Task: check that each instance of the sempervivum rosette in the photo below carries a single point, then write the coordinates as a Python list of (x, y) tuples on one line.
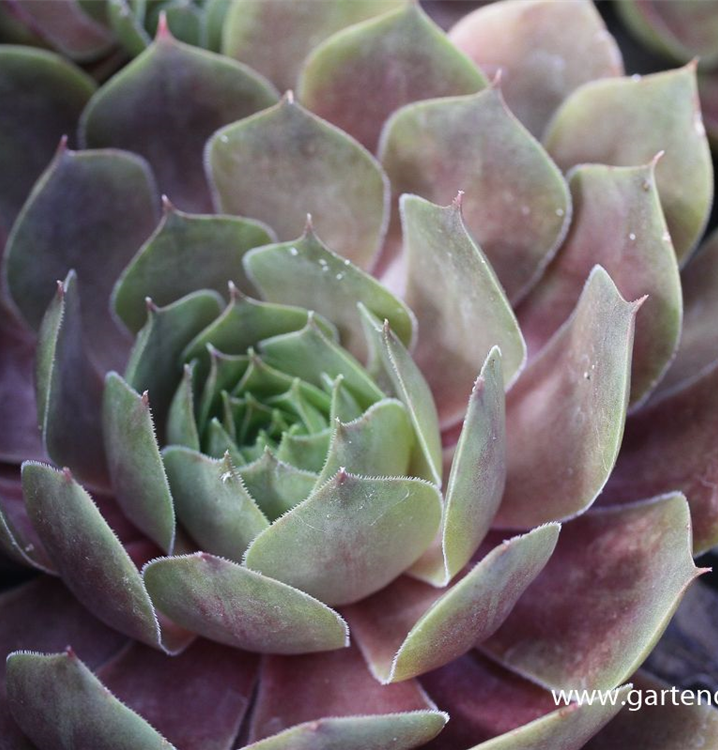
[(449, 448)]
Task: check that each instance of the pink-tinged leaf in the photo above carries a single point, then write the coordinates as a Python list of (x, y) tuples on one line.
[(476, 480), (48, 95), (363, 532), (300, 164), (89, 557), (61, 705), (19, 437), (618, 222), (108, 204), (327, 701), (252, 27), (155, 363), (187, 252), (626, 122), (410, 628), (307, 273), (672, 444), (604, 598), (543, 49), (698, 345), (576, 393), (392, 365), (133, 456), (665, 726), (450, 287), (24, 625), (64, 25), (165, 105), (212, 502), (230, 604), (359, 76), (196, 700), (68, 389), (682, 31), (516, 203)]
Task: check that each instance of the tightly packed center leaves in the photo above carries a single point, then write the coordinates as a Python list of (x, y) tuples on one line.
[(450, 446)]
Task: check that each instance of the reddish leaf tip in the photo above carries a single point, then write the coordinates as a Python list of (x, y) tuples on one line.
[(342, 475), (308, 225), (151, 306), (458, 200), (62, 146), (146, 398), (167, 205), (70, 652), (67, 474), (233, 291), (163, 29)]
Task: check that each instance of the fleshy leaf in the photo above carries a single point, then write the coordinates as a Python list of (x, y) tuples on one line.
[(155, 363), (327, 701), (450, 287), (476, 481), (516, 205), (626, 122), (672, 444), (345, 81), (300, 164), (230, 604), (682, 31), (69, 389), (411, 628), (569, 629), (59, 703), (363, 532), (138, 477), (212, 502), (543, 49), (618, 222), (108, 206), (179, 694), (48, 95), (307, 273), (165, 105), (698, 346), (577, 390), (181, 424), (89, 557), (251, 26), (186, 253)]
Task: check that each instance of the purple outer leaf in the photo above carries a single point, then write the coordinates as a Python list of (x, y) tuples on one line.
[(90, 558), (230, 604), (60, 704), (24, 625), (345, 79), (570, 629), (69, 389), (138, 477), (543, 49), (517, 205), (196, 699), (326, 701), (626, 122), (618, 222), (48, 95), (301, 164), (363, 532), (577, 393), (450, 287), (108, 204), (165, 105)]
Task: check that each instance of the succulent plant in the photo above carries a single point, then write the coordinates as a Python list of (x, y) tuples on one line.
[(360, 408)]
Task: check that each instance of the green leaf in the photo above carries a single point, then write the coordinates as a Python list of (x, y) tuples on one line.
[(300, 164), (344, 80), (133, 456), (230, 604), (164, 106), (305, 452), (307, 273), (186, 253), (212, 502), (59, 703), (363, 532), (181, 424), (626, 122)]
